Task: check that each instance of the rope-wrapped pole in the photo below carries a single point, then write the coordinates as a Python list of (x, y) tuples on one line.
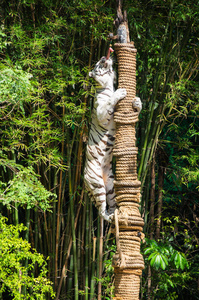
[(128, 262)]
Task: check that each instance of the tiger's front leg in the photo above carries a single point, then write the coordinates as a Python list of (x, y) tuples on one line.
[(118, 95), (105, 110)]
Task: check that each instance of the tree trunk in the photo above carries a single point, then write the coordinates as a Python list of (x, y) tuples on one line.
[(128, 262)]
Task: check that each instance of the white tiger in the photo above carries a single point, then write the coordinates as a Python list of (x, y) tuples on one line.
[(98, 175)]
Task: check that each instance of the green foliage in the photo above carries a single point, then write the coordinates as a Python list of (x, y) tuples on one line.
[(163, 255), (13, 275), (170, 269), (15, 84), (108, 278), (26, 190)]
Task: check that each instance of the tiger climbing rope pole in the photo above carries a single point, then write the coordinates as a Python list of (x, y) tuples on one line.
[(128, 262)]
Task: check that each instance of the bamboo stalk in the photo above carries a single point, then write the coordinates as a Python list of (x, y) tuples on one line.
[(74, 244), (143, 160), (152, 199), (16, 216), (59, 206), (92, 285), (46, 232), (64, 269), (70, 277), (100, 258), (160, 195), (80, 253), (40, 236), (144, 203), (72, 211), (157, 81), (87, 250), (61, 259), (54, 226), (151, 147), (82, 244), (147, 151), (58, 230), (24, 288), (149, 283), (90, 242), (36, 229)]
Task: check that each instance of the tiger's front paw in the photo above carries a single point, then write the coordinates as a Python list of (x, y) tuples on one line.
[(137, 104), (123, 93), (120, 94)]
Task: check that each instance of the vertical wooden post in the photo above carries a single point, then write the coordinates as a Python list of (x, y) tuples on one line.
[(128, 262)]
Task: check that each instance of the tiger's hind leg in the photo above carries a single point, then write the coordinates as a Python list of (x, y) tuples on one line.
[(96, 188), (110, 192), (101, 206)]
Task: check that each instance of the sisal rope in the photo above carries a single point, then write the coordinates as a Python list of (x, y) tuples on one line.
[(128, 262)]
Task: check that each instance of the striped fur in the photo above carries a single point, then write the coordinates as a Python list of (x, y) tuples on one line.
[(98, 175)]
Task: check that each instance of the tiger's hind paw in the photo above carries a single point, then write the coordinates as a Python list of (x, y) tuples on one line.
[(137, 104), (111, 210), (108, 217)]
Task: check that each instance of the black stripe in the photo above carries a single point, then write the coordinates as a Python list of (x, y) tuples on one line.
[(111, 138), (91, 161), (107, 149), (112, 199), (93, 155), (95, 174), (93, 139), (97, 186), (100, 194), (107, 143), (100, 134), (102, 128), (110, 192), (94, 177), (99, 151)]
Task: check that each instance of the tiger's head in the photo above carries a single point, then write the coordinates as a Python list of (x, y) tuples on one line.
[(103, 72)]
